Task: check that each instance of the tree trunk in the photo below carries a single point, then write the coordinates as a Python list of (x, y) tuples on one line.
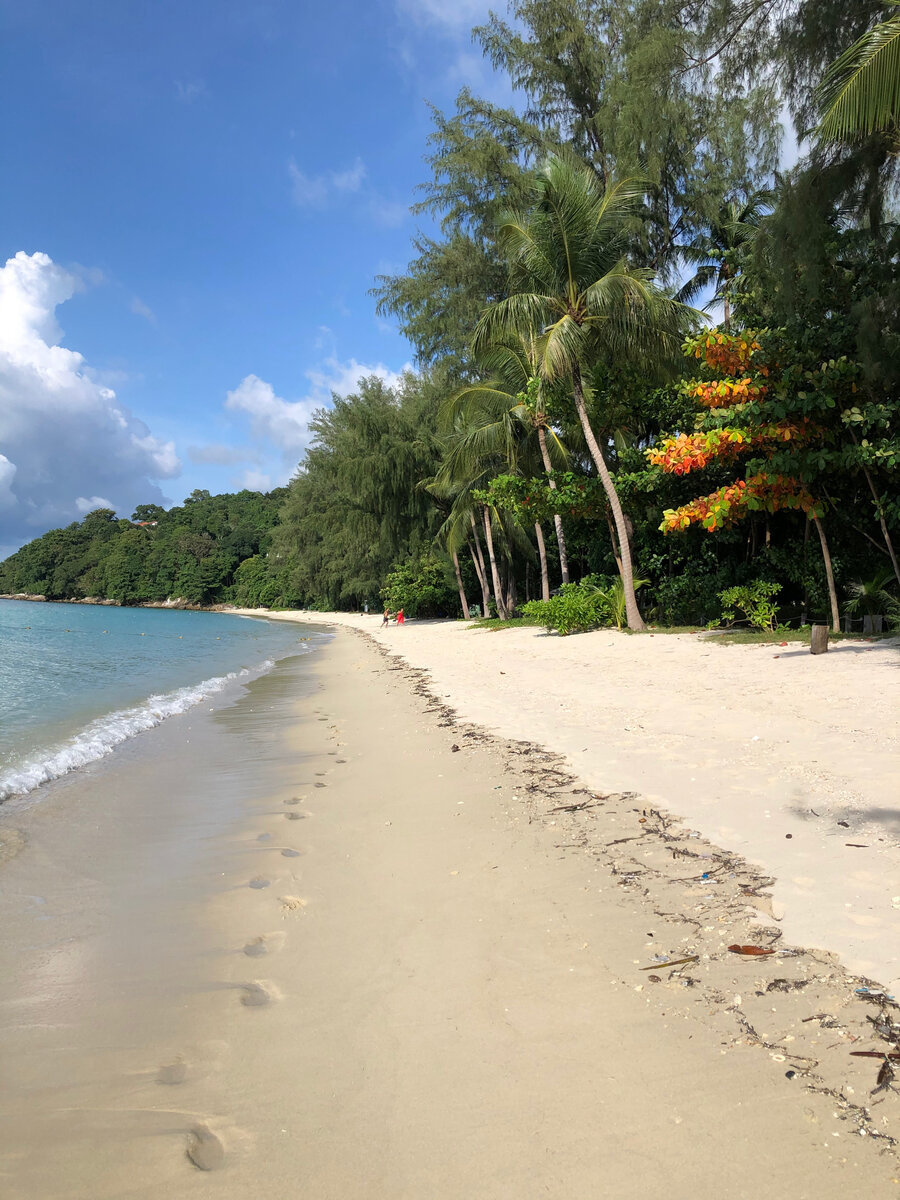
[(884, 529), (542, 551), (829, 575), (482, 581), (612, 538), (495, 576), (557, 519), (818, 639), (511, 595), (633, 613), (462, 590), (481, 568)]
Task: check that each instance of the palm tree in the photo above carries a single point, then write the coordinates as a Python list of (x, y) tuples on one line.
[(480, 444), (718, 252), (860, 93), (518, 391), (569, 277)]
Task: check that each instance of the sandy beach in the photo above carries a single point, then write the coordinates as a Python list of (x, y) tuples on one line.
[(395, 956), (791, 760)]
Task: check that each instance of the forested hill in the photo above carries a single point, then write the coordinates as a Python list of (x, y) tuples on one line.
[(209, 550)]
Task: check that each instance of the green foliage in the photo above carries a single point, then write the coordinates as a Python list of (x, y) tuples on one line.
[(576, 608), (356, 505), (755, 600), (873, 597), (422, 587), (579, 607), (192, 553)]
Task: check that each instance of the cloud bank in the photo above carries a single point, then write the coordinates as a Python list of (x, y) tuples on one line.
[(65, 440), (284, 424)]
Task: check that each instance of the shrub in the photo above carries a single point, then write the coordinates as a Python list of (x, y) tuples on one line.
[(578, 607), (422, 587), (755, 600)]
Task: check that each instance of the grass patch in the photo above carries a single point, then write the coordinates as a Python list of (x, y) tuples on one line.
[(495, 624), (757, 637)]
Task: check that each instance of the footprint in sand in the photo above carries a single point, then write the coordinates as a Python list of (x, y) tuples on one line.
[(293, 800), (172, 1073), (288, 853), (264, 837), (205, 1150), (321, 774), (342, 760), (258, 994), (294, 816), (259, 881), (292, 904), (321, 785), (266, 943)]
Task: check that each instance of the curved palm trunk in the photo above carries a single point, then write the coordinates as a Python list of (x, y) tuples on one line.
[(495, 575), (542, 552), (829, 575), (482, 583), (557, 519), (462, 590), (480, 568), (884, 529), (633, 613)]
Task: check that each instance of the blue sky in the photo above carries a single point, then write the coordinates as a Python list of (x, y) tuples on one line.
[(213, 185)]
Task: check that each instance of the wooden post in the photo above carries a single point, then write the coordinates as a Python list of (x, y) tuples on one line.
[(818, 639)]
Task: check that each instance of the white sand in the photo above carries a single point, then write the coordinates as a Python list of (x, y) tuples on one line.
[(763, 749)]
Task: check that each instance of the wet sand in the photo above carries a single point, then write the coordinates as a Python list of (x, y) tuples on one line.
[(347, 947)]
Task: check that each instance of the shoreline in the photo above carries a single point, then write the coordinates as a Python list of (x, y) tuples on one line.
[(421, 973)]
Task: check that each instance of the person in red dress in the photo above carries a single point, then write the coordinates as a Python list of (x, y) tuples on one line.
[(400, 617)]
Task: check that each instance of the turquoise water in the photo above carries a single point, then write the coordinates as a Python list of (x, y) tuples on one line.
[(78, 680)]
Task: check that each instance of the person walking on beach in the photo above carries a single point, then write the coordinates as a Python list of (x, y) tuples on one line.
[(400, 617), (387, 617)]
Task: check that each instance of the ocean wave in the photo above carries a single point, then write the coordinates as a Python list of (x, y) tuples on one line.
[(104, 734)]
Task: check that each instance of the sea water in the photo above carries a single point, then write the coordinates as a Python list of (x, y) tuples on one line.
[(76, 681)]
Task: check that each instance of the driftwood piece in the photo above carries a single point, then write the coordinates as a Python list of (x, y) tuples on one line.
[(818, 639)]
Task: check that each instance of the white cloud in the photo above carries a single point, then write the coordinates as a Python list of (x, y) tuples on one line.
[(140, 309), (451, 14), (86, 504), (189, 90), (388, 213), (255, 481), (312, 191), (284, 424), (7, 475), (64, 436)]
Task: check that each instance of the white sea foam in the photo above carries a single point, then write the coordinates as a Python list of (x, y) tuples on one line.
[(105, 733)]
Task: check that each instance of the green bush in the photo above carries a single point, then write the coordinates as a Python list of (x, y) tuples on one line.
[(755, 600), (422, 587), (578, 607)]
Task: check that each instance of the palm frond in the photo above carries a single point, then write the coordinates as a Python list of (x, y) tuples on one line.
[(860, 93)]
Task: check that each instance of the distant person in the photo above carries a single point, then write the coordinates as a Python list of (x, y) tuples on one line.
[(400, 617), (366, 609), (387, 617)]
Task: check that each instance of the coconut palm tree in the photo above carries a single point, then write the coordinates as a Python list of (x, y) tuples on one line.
[(517, 390), (717, 253), (569, 277), (482, 443), (860, 93)]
